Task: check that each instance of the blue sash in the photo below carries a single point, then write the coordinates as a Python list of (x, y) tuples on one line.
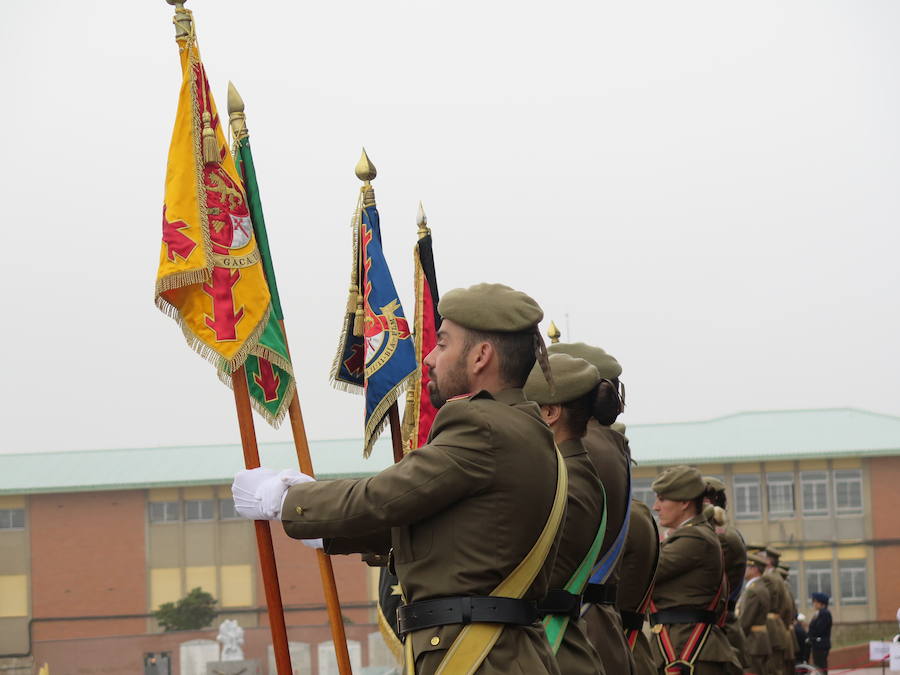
[(607, 563)]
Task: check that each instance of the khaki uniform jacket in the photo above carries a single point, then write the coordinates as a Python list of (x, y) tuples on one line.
[(777, 633), (788, 612), (461, 513), (584, 509), (689, 576), (734, 555), (608, 450), (636, 572), (752, 609)]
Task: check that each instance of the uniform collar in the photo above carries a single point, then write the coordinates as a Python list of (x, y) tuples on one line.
[(572, 448), (508, 396)]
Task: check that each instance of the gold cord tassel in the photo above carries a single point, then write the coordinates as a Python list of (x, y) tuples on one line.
[(351, 299), (210, 143), (359, 318)]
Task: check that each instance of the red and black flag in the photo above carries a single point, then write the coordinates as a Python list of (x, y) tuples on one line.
[(418, 415)]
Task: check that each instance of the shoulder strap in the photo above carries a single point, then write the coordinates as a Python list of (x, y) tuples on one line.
[(605, 566), (555, 624), (475, 640)]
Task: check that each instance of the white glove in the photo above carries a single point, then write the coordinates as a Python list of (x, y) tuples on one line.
[(259, 493), (313, 543)]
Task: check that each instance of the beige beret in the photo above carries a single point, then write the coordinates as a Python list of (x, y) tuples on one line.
[(493, 308), (681, 483), (757, 559), (714, 483), (607, 365), (572, 378)]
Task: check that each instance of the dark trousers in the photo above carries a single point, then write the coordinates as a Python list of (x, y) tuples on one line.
[(820, 659)]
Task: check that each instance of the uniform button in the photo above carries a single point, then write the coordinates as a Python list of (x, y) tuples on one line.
[(299, 510), (435, 641)]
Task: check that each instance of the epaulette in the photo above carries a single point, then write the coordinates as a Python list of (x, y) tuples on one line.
[(460, 397), (471, 395)]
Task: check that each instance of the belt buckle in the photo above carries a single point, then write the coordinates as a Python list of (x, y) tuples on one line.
[(683, 667)]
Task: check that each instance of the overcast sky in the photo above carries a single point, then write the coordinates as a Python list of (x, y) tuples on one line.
[(708, 190)]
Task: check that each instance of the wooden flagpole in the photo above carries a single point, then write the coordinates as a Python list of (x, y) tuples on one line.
[(263, 531), (298, 430), (396, 436), (326, 571)]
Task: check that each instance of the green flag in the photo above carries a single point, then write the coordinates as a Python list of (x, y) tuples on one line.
[(270, 377)]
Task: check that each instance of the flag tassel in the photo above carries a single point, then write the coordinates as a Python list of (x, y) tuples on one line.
[(210, 144)]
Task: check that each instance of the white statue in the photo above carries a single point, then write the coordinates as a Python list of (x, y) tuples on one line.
[(231, 635)]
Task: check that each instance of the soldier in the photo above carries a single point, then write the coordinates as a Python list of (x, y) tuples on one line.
[(784, 608), (689, 590), (636, 572), (608, 450), (473, 513), (567, 409), (777, 635), (734, 555), (752, 608), (789, 616)]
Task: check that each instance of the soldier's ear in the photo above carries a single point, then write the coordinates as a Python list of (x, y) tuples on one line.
[(550, 413), (480, 356)]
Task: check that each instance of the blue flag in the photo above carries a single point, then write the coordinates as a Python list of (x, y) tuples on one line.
[(376, 354)]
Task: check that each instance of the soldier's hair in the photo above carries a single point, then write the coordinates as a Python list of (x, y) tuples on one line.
[(716, 498), (699, 503), (515, 351), (606, 404), (577, 413)]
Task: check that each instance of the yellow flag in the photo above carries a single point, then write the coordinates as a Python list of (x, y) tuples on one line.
[(210, 277)]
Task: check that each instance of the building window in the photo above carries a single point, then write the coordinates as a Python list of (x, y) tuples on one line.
[(747, 497), (814, 486), (226, 510), (165, 512), (12, 519), (641, 490), (848, 491), (818, 578), (199, 509), (781, 494), (853, 582)]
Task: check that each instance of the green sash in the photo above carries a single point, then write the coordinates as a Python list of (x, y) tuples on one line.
[(555, 624)]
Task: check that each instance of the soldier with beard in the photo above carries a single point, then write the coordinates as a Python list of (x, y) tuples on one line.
[(473, 516), (608, 450)]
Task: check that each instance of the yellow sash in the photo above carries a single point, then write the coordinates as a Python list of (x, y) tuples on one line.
[(475, 640)]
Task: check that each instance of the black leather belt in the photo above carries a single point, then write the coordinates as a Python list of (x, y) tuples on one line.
[(682, 615), (600, 594), (559, 601), (632, 620), (465, 609)]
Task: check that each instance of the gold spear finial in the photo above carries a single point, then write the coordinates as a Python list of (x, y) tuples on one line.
[(553, 333), (365, 170), (422, 222), (236, 117)]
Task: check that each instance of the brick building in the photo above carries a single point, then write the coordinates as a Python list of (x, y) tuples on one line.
[(92, 542)]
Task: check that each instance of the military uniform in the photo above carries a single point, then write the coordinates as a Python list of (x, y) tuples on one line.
[(461, 512), (777, 633), (689, 591), (636, 572), (734, 557), (787, 612), (752, 608), (573, 378), (608, 450)]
